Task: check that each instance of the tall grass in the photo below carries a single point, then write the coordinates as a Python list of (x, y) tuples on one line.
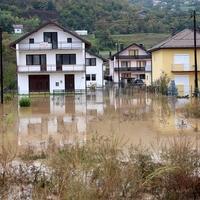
[(101, 169)]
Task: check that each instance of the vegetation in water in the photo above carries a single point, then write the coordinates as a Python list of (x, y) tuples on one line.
[(101, 169), (161, 85), (192, 109), (25, 102)]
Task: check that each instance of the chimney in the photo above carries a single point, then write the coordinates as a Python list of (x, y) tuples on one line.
[(121, 46), (110, 54)]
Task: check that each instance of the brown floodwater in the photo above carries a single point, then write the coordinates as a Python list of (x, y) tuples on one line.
[(128, 116)]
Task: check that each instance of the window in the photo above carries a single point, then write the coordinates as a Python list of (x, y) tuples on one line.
[(141, 63), (69, 40), (90, 77), (90, 61), (31, 40), (66, 59), (51, 37), (124, 63), (87, 77), (182, 61), (35, 59), (134, 52), (57, 84), (93, 77)]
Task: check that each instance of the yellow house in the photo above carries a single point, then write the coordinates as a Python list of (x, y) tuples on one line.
[(175, 57)]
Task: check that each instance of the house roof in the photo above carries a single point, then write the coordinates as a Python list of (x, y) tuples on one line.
[(13, 44), (132, 44), (181, 40), (97, 55)]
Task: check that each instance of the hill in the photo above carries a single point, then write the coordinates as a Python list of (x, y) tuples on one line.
[(114, 16)]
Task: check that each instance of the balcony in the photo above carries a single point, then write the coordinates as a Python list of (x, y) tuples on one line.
[(130, 69), (183, 68), (50, 46), (51, 68), (136, 57)]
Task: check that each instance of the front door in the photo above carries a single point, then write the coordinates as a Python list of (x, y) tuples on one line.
[(69, 82)]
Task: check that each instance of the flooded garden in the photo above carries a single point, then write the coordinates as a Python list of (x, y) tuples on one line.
[(105, 144)]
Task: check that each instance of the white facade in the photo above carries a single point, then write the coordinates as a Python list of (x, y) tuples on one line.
[(133, 62), (96, 69), (55, 58)]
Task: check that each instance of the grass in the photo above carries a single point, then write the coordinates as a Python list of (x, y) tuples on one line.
[(192, 109), (147, 39), (101, 170)]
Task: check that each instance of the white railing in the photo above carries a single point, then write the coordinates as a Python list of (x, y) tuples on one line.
[(51, 68), (49, 46)]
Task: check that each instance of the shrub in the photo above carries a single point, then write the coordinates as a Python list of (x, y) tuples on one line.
[(162, 84), (25, 102)]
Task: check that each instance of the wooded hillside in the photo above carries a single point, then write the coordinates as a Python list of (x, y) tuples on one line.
[(114, 16)]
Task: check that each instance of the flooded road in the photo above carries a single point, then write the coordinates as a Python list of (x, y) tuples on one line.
[(132, 118)]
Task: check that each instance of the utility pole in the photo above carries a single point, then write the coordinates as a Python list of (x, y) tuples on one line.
[(1, 62), (196, 91), (118, 63)]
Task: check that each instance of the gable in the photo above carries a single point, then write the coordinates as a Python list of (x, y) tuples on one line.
[(126, 51), (39, 35), (47, 25)]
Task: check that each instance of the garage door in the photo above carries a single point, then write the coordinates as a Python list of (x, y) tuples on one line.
[(38, 83), (183, 84)]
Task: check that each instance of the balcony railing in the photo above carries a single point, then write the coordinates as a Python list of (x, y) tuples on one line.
[(51, 68), (131, 69), (183, 68), (140, 57), (50, 46)]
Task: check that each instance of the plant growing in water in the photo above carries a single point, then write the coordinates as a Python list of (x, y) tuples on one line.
[(162, 84), (25, 102)]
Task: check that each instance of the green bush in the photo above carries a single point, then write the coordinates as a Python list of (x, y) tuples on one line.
[(25, 102)]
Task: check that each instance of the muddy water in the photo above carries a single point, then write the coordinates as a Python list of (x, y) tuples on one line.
[(130, 117)]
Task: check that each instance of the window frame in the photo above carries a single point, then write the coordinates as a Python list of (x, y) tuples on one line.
[(95, 78), (69, 58), (88, 77), (91, 62), (32, 62), (69, 40), (31, 40)]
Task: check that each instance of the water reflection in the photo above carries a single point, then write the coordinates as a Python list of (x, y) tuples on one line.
[(131, 116)]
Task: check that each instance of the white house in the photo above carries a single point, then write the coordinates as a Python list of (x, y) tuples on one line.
[(132, 62), (94, 66), (18, 28), (50, 59)]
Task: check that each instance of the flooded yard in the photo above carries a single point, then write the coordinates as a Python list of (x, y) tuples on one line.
[(129, 116), (101, 126)]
